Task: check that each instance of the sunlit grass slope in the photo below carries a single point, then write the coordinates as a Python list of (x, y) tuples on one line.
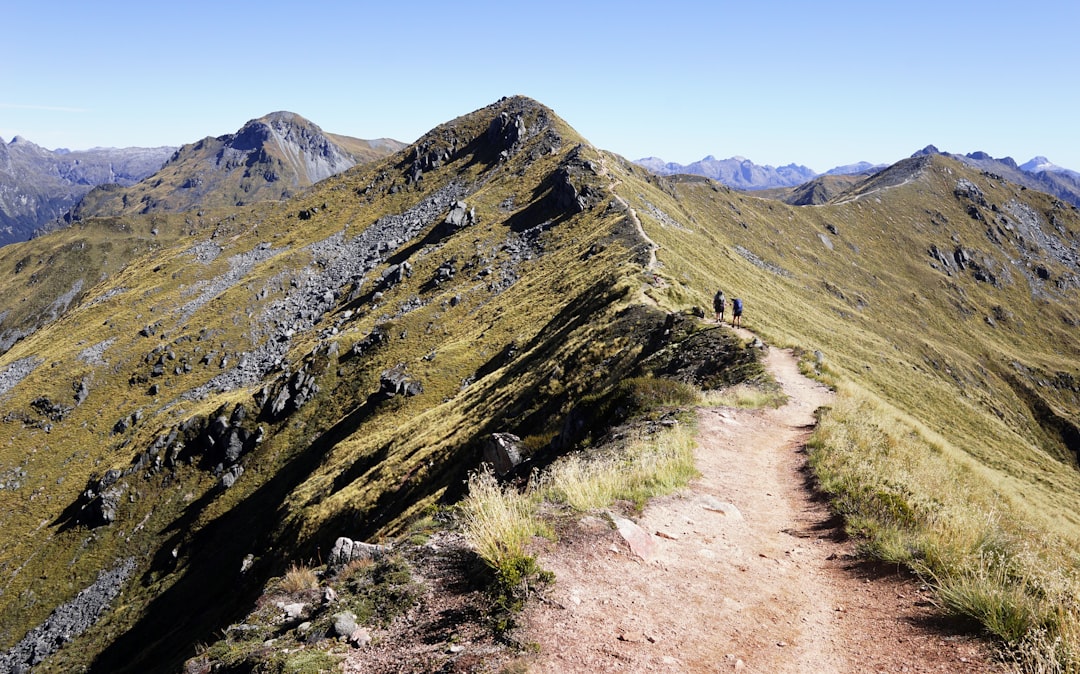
[(944, 304)]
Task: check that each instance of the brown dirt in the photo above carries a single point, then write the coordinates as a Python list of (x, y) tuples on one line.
[(743, 571)]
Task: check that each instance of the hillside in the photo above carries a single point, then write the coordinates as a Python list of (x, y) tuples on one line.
[(263, 382), (38, 185), (270, 158), (814, 192)]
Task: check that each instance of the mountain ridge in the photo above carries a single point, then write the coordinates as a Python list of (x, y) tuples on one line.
[(253, 383), (741, 173)]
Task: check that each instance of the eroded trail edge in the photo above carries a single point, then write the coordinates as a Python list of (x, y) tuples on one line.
[(743, 571)]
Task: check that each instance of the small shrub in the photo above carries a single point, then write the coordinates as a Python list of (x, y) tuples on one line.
[(514, 582), (380, 591)]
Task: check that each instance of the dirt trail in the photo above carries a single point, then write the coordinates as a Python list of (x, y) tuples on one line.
[(743, 571)]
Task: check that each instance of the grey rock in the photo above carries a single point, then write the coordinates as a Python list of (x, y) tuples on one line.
[(345, 624), (395, 381), (360, 637), (346, 550), (503, 452), (230, 476), (82, 391), (68, 621), (11, 375)]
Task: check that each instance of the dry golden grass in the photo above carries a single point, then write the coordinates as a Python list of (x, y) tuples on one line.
[(744, 396), (298, 579), (646, 467)]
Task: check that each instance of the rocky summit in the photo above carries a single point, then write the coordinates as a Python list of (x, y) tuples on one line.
[(240, 389)]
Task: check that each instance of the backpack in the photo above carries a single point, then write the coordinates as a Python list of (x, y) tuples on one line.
[(718, 300), (736, 306)]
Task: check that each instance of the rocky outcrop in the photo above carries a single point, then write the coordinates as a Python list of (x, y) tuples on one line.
[(395, 381), (346, 550)]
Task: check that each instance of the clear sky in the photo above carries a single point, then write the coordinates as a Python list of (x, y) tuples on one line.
[(814, 83)]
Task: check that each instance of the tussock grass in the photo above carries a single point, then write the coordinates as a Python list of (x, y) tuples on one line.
[(745, 396), (499, 521), (925, 505), (648, 467), (299, 578)]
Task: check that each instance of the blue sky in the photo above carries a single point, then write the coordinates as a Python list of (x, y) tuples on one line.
[(819, 84)]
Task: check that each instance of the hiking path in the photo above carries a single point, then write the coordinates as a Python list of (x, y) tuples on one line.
[(745, 570)]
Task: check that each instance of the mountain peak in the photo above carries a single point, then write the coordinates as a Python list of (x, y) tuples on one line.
[(282, 116), (928, 150), (1037, 164)]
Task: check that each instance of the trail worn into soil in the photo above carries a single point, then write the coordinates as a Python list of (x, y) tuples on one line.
[(743, 571)]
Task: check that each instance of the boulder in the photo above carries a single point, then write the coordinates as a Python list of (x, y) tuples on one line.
[(396, 382), (346, 550), (460, 216), (503, 452), (231, 475), (345, 624)]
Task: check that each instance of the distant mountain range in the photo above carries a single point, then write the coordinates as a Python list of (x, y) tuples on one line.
[(39, 185), (741, 173)]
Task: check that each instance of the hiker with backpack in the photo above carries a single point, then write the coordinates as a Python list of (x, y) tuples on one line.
[(736, 312), (718, 303)]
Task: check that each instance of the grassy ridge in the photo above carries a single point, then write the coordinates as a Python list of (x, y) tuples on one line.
[(950, 448)]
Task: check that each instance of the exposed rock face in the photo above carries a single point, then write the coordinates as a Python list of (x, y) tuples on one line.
[(269, 158), (395, 381)]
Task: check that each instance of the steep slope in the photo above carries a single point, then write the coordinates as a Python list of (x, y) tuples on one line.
[(269, 158), (321, 367), (38, 185), (48, 275)]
